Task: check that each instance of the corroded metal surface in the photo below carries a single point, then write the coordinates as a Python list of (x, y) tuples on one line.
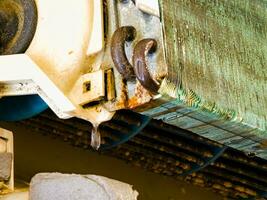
[(141, 68), (216, 54), (118, 14), (121, 62)]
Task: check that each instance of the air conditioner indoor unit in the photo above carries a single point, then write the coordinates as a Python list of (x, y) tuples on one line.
[(199, 66)]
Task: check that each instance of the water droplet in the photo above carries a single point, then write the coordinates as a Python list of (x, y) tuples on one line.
[(95, 137)]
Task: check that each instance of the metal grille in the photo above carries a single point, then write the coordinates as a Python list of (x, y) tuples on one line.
[(168, 150)]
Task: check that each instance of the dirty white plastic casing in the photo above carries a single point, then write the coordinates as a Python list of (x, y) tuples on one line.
[(68, 38)]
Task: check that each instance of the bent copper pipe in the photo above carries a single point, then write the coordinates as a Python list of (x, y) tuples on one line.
[(141, 69), (121, 35)]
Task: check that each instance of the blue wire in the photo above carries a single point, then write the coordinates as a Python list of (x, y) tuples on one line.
[(135, 130), (217, 151)]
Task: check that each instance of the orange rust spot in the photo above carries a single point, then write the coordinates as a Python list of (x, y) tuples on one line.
[(133, 102), (141, 97)]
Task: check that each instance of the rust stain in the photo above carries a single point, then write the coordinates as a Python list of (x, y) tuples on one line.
[(141, 97)]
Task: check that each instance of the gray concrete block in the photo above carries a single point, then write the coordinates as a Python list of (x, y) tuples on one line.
[(79, 187), (5, 166)]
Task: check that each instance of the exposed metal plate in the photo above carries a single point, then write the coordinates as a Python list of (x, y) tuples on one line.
[(132, 94)]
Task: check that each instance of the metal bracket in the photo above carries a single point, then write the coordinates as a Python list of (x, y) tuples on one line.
[(89, 88), (94, 87)]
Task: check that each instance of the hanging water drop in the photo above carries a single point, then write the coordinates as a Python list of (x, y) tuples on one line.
[(95, 137)]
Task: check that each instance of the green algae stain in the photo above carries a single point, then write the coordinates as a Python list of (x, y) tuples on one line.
[(216, 51), (191, 99)]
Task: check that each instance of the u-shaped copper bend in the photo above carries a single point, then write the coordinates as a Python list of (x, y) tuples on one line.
[(141, 69), (122, 64)]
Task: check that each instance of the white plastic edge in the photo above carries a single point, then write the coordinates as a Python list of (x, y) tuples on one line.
[(96, 42), (27, 70), (149, 6)]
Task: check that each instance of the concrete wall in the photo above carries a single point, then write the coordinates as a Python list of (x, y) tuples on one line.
[(36, 153)]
